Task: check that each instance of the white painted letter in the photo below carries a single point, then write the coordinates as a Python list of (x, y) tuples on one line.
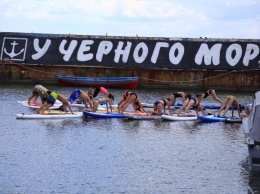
[(141, 46), (40, 51), (208, 54), (83, 48), (176, 59), (103, 49), (119, 51), (157, 50), (238, 49), (252, 51), (67, 53)]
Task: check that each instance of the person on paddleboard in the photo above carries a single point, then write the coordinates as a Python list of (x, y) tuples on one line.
[(191, 102), (38, 90), (80, 94), (177, 95), (211, 92), (51, 100), (230, 101), (160, 105)]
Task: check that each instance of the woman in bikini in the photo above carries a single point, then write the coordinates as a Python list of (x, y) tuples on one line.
[(109, 100), (161, 104), (126, 94), (102, 90), (230, 101), (206, 94), (131, 98), (191, 102), (177, 95)]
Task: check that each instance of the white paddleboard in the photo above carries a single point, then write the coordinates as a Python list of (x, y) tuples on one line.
[(175, 117), (49, 116), (38, 105)]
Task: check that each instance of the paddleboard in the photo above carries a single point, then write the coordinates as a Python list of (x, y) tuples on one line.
[(38, 105), (212, 118), (49, 116), (175, 117), (234, 120), (178, 105), (141, 116), (103, 115)]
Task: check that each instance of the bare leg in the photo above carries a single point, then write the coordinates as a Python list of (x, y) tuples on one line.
[(95, 105), (229, 104), (173, 100), (214, 95), (223, 106)]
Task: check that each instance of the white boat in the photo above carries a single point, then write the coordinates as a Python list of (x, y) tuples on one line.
[(251, 127)]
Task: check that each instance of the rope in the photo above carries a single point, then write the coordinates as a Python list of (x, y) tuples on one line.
[(190, 80), (36, 70), (151, 79)]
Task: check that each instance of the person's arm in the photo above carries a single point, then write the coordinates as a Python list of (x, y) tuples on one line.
[(183, 106), (30, 98), (107, 103), (169, 107), (164, 110), (110, 103)]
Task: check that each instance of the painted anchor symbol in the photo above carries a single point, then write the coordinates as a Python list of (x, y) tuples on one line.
[(13, 54)]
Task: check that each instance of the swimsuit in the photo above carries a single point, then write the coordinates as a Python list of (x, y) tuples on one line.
[(125, 94), (164, 103), (207, 93), (74, 95), (157, 102), (99, 89), (52, 98), (194, 103), (176, 95)]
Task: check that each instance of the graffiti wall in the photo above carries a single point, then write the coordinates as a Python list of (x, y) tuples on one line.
[(130, 52)]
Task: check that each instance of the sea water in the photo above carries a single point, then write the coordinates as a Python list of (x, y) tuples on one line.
[(85, 155)]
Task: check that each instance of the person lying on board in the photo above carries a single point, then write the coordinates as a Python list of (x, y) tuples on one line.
[(51, 100), (131, 98), (177, 95), (126, 94), (80, 94), (230, 101), (206, 94), (138, 107), (36, 93), (191, 102), (109, 100), (160, 105)]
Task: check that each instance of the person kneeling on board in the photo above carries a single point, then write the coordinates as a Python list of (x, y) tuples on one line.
[(160, 105), (51, 100)]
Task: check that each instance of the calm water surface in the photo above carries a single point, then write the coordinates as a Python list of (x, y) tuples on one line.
[(86, 155)]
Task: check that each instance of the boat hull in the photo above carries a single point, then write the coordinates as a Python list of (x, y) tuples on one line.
[(254, 155), (108, 82)]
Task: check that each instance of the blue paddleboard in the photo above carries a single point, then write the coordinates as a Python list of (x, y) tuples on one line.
[(212, 118), (103, 115)]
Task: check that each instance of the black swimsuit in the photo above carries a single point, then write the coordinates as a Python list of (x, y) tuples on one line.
[(206, 94), (176, 95)]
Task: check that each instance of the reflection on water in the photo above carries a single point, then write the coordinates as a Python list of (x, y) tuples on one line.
[(87, 155)]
